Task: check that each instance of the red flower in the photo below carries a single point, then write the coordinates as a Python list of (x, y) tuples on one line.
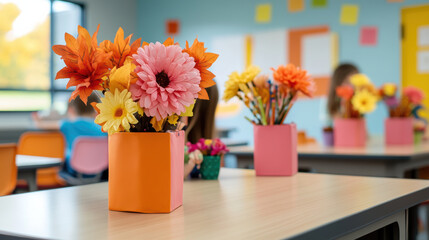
[(345, 92)]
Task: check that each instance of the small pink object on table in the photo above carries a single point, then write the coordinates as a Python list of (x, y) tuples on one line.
[(399, 131), (275, 151), (349, 132)]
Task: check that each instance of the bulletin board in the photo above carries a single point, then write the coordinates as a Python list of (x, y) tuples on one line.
[(314, 49)]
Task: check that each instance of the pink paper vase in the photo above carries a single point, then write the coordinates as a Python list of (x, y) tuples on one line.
[(275, 150), (349, 132), (399, 131)]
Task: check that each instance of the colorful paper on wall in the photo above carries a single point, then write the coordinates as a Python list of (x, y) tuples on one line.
[(423, 36), (334, 49), (423, 62), (269, 49), (263, 13), (319, 3), (248, 51), (349, 14), (295, 47), (172, 27), (368, 36), (295, 5), (317, 54)]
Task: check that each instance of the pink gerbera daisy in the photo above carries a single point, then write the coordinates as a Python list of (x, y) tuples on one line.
[(167, 80)]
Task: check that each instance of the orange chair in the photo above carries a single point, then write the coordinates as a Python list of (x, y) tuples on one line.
[(44, 144), (8, 170)]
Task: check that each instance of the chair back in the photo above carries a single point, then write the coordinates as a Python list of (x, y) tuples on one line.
[(90, 155), (8, 169), (44, 144)]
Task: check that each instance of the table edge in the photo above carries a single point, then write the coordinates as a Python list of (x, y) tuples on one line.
[(359, 220)]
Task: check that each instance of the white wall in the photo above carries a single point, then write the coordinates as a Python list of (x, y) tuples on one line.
[(111, 14)]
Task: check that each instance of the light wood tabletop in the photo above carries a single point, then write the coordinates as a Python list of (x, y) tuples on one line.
[(237, 206)]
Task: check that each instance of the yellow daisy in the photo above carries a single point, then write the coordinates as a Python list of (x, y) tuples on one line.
[(364, 102), (208, 142), (249, 74), (122, 78), (231, 86), (359, 80), (117, 112), (238, 82), (389, 89)]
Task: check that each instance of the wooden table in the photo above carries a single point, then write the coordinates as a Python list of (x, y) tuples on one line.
[(237, 206), (373, 160), (28, 165)]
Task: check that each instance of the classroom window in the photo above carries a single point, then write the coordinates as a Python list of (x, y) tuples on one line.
[(28, 29)]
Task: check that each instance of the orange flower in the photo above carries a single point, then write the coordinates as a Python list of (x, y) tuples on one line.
[(345, 92), (85, 63), (120, 48), (294, 78), (203, 60)]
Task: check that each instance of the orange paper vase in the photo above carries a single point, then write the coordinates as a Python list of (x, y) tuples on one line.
[(146, 171), (275, 150)]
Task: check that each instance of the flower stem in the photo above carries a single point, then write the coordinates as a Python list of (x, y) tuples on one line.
[(261, 106)]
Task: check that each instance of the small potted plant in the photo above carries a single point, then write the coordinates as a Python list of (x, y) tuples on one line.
[(399, 129), (212, 151), (357, 99)]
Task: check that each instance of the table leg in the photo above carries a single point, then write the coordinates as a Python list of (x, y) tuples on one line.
[(413, 215), (30, 177)]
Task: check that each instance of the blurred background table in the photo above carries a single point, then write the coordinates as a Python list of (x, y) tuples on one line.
[(28, 165)]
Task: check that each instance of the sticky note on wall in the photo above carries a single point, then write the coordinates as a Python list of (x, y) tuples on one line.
[(368, 36), (263, 13), (172, 27), (319, 3), (295, 5), (349, 14)]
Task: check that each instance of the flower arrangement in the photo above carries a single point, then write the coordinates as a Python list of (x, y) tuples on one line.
[(408, 103), (269, 102), (208, 147), (146, 87), (358, 98)]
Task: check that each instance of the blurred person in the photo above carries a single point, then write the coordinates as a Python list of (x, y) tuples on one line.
[(79, 122), (340, 77)]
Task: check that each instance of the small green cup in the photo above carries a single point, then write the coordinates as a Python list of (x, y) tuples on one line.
[(210, 167), (418, 136)]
